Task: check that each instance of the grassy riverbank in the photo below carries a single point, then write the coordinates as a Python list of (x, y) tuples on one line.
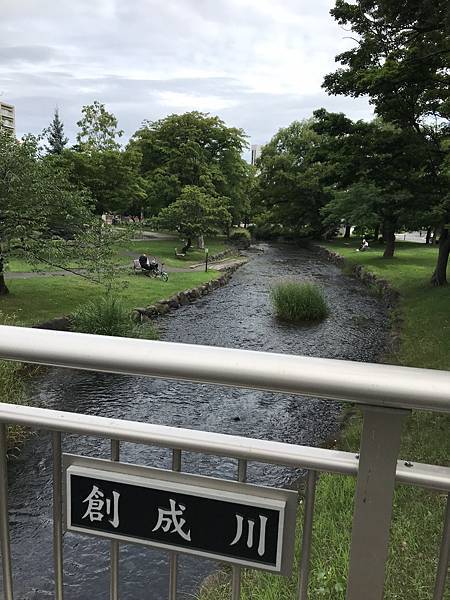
[(418, 514)]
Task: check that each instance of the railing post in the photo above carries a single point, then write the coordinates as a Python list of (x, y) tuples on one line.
[(236, 571), (173, 561), (380, 443), (114, 547), (4, 517), (57, 516), (308, 515), (439, 587)]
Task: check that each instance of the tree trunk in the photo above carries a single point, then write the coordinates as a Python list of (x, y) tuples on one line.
[(428, 236), (3, 287), (439, 276), (389, 237), (348, 229), (200, 242)]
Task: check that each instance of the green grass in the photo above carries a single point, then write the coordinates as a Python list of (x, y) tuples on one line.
[(298, 302), (164, 250), (42, 298), (417, 513)]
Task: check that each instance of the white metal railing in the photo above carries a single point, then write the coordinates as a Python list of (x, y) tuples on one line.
[(385, 393)]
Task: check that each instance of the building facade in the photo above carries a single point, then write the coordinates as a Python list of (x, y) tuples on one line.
[(256, 153), (7, 118)]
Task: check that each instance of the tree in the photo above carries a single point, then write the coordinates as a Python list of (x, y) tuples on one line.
[(386, 160), (194, 214), (111, 177), (38, 204), (192, 149), (55, 135), (98, 129), (289, 183), (401, 62)]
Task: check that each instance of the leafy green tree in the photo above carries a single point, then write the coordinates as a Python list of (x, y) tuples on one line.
[(194, 214), (55, 135), (400, 61), (192, 149), (110, 176), (98, 129), (290, 188), (386, 160), (38, 204)]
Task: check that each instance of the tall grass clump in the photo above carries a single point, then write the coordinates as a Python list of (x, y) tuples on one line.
[(106, 315), (299, 302)]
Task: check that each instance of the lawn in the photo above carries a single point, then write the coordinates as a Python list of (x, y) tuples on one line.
[(164, 250), (42, 298), (418, 513)]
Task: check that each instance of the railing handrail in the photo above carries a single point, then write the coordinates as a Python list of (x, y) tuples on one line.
[(362, 383), (219, 444)]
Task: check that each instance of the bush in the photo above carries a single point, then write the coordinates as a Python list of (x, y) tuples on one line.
[(297, 302), (106, 315), (240, 238)]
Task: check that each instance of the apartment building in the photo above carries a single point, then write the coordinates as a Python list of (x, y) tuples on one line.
[(7, 118), (256, 153)]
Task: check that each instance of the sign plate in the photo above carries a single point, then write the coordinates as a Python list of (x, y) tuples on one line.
[(224, 520)]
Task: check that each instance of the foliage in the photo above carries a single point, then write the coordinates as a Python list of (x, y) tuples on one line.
[(111, 177), (240, 237), (94, 248), (299, 302), (289, 182), (107, 315), (195, 213), (37, 201), (98, 129), (400, 61), (192, 149), (55, 135)]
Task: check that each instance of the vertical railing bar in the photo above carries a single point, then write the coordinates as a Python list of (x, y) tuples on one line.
[(305, 560), (173, 564), (114, 546), (236, 577), (4, 520), (444, 555), (58, 516)]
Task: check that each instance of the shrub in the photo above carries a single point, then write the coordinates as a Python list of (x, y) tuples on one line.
[(241, 238), (297, 302), (106, 315)]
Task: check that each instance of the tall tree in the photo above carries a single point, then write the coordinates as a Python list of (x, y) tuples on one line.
[(289, 181), (111, 177), (192, 149), (38, 204), (401, 62), (98, 129), (386, 160), (55, 135)]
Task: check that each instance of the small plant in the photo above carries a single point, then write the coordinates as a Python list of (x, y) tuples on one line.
[(298, 302), (241, 238), (106, 315)]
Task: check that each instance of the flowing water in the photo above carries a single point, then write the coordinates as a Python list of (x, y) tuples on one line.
[(238, 316)]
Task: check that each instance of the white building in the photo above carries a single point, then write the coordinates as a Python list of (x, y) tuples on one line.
[(256, 152), (7, 118)]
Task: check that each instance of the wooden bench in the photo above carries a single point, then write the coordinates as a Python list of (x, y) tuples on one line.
[(179, 254)]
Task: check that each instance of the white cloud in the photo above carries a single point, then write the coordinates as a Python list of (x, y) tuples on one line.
[(257, 63)]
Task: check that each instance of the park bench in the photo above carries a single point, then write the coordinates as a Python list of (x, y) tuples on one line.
[(179, 254)]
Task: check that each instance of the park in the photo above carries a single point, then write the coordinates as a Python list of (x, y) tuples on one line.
[(172, 316)]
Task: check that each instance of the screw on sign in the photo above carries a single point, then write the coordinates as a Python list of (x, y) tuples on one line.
[(239, 523)]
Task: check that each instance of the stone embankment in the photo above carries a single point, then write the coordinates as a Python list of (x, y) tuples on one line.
[(185, 297), (380, 285)]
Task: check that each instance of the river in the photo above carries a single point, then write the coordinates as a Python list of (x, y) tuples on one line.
[(237, 316)]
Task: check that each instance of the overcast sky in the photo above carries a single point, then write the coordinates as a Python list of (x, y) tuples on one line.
[(258, 64)]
